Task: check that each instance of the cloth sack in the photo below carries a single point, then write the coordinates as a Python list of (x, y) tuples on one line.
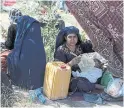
[(81, 84)]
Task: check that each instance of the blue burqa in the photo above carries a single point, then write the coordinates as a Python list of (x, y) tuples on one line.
[(26, 63)]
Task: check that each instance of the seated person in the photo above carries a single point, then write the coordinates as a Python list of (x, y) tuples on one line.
[(69, 46), (14, 14)]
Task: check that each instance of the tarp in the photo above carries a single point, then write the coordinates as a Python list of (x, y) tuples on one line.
[(103, 22)]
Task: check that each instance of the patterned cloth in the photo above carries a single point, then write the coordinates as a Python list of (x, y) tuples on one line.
[(103, 22), (65, 55), (14, 14)]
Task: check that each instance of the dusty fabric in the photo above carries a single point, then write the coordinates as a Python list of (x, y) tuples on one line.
[(103, 22), (3, 57), (81, 84), (93, 98)]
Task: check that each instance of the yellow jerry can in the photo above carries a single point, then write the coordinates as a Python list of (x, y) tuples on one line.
[(56, 80)]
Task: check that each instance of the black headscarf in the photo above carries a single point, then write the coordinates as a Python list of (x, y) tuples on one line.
[(60, 39)]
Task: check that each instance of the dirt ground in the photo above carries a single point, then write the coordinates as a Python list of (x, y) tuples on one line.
[(65, 103)]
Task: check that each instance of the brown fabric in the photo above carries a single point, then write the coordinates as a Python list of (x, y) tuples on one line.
[(103, 22), (3, 57)]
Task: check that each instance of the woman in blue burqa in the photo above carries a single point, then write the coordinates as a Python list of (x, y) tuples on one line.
[(69, 46), (27, 61)]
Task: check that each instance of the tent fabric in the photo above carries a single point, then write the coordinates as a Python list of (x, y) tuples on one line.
[(103, 22), (27, 61)]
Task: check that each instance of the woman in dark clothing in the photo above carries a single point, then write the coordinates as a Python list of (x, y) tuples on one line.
[(68, 49), (69, 46), (6, 86), (13, 16), (11, 37), (9, 43)]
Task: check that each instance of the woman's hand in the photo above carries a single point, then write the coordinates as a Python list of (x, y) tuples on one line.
[(75, 61)]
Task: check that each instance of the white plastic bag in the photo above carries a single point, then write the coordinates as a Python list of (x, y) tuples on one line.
[(121, 91), (115, 88), (92, 74)]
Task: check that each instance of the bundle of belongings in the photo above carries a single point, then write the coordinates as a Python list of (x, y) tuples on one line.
[(94, 67), (113, 86), (91, 66)]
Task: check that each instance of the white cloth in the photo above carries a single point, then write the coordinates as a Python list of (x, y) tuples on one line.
[(87, 60), (92, 74)]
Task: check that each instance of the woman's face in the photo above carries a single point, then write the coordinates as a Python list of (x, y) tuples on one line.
[(72, 39)]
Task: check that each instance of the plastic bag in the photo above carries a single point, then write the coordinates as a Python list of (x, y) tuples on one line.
[(121, 91), (91, 74), (106, 78), (114, 87)]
